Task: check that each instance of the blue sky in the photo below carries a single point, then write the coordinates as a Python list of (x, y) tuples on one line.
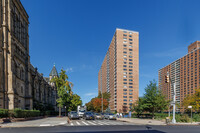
[(75, 35)]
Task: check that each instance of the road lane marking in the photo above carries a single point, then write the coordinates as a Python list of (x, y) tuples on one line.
[(84, 123), (71, 124), (78, 123), (45, 125), (63, 123), (91, 123)]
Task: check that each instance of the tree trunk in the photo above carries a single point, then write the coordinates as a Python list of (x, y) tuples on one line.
[(59, 111)]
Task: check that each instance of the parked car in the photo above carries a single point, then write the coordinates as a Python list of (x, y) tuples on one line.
[(106, 115), (73, 115), (110, 116), (88, 116), (99, 116)]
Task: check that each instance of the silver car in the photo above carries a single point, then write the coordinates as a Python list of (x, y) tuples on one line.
[(99, 116), (73, 115), (111, 116)]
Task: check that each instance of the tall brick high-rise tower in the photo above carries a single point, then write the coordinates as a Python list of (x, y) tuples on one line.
[(119, 73)]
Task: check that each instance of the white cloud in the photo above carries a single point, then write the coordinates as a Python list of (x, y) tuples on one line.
[(91, 94), (69, 69)]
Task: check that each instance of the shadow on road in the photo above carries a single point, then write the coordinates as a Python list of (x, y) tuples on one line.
[(134, 131)]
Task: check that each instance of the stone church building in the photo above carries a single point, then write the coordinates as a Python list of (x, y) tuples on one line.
[(21, 85)]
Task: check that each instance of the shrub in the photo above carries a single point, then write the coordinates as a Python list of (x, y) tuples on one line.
[(182, 118), (196, 117), (19, 113), (161, 116), (4, 113)]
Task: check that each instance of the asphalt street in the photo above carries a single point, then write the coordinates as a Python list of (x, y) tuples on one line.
[(105, 129), (102, 126)]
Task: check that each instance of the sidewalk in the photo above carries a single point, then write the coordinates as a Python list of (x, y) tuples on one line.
[(142, 121), (49, 121)]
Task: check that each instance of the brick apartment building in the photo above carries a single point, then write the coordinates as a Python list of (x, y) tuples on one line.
[(119, 73), (184, 72)]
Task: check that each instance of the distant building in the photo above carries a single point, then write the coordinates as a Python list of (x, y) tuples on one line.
[(119, 73), (185, 72), (21, 85)]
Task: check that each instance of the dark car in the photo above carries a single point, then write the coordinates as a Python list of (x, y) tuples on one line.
[(88, 116), (73, 115)]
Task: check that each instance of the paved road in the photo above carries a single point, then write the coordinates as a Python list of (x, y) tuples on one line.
[(97, 123), (105, 129)]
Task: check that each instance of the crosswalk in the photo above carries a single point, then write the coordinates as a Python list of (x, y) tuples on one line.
[(96, 123)]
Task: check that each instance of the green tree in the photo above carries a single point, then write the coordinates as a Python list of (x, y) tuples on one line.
[(75, 102), (192, 100), (154, 100), (64, 89), (106, 95), (139, 106)]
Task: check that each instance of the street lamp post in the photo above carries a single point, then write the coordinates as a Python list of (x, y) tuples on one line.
[(101, 101), (190, 107), (174, 104), (167, 80)]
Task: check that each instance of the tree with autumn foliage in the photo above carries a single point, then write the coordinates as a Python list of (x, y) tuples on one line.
[(96, 104), (193, 100)]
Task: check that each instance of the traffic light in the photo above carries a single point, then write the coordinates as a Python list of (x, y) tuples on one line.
[(166, 79)]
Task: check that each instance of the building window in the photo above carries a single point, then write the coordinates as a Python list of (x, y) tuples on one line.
[(130, 39), (125, 45), (131, 90), (125, 76), (131, 43), (130, 66), (124, 79), (125, 93), (125, 38), (125, 69), (125, 72), (124, 89), (125, 103), (125, 52), (130, 49), (130, 93), (130, 36), (125, 99), (125, 31), (125, 86), (125, 55), (22, 90), (124, 35), (130, 59), (124, 96), (124, 41), (130, 33), (130, 86), (130, 96), (125, 82), (130, 69), (124, 66)]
